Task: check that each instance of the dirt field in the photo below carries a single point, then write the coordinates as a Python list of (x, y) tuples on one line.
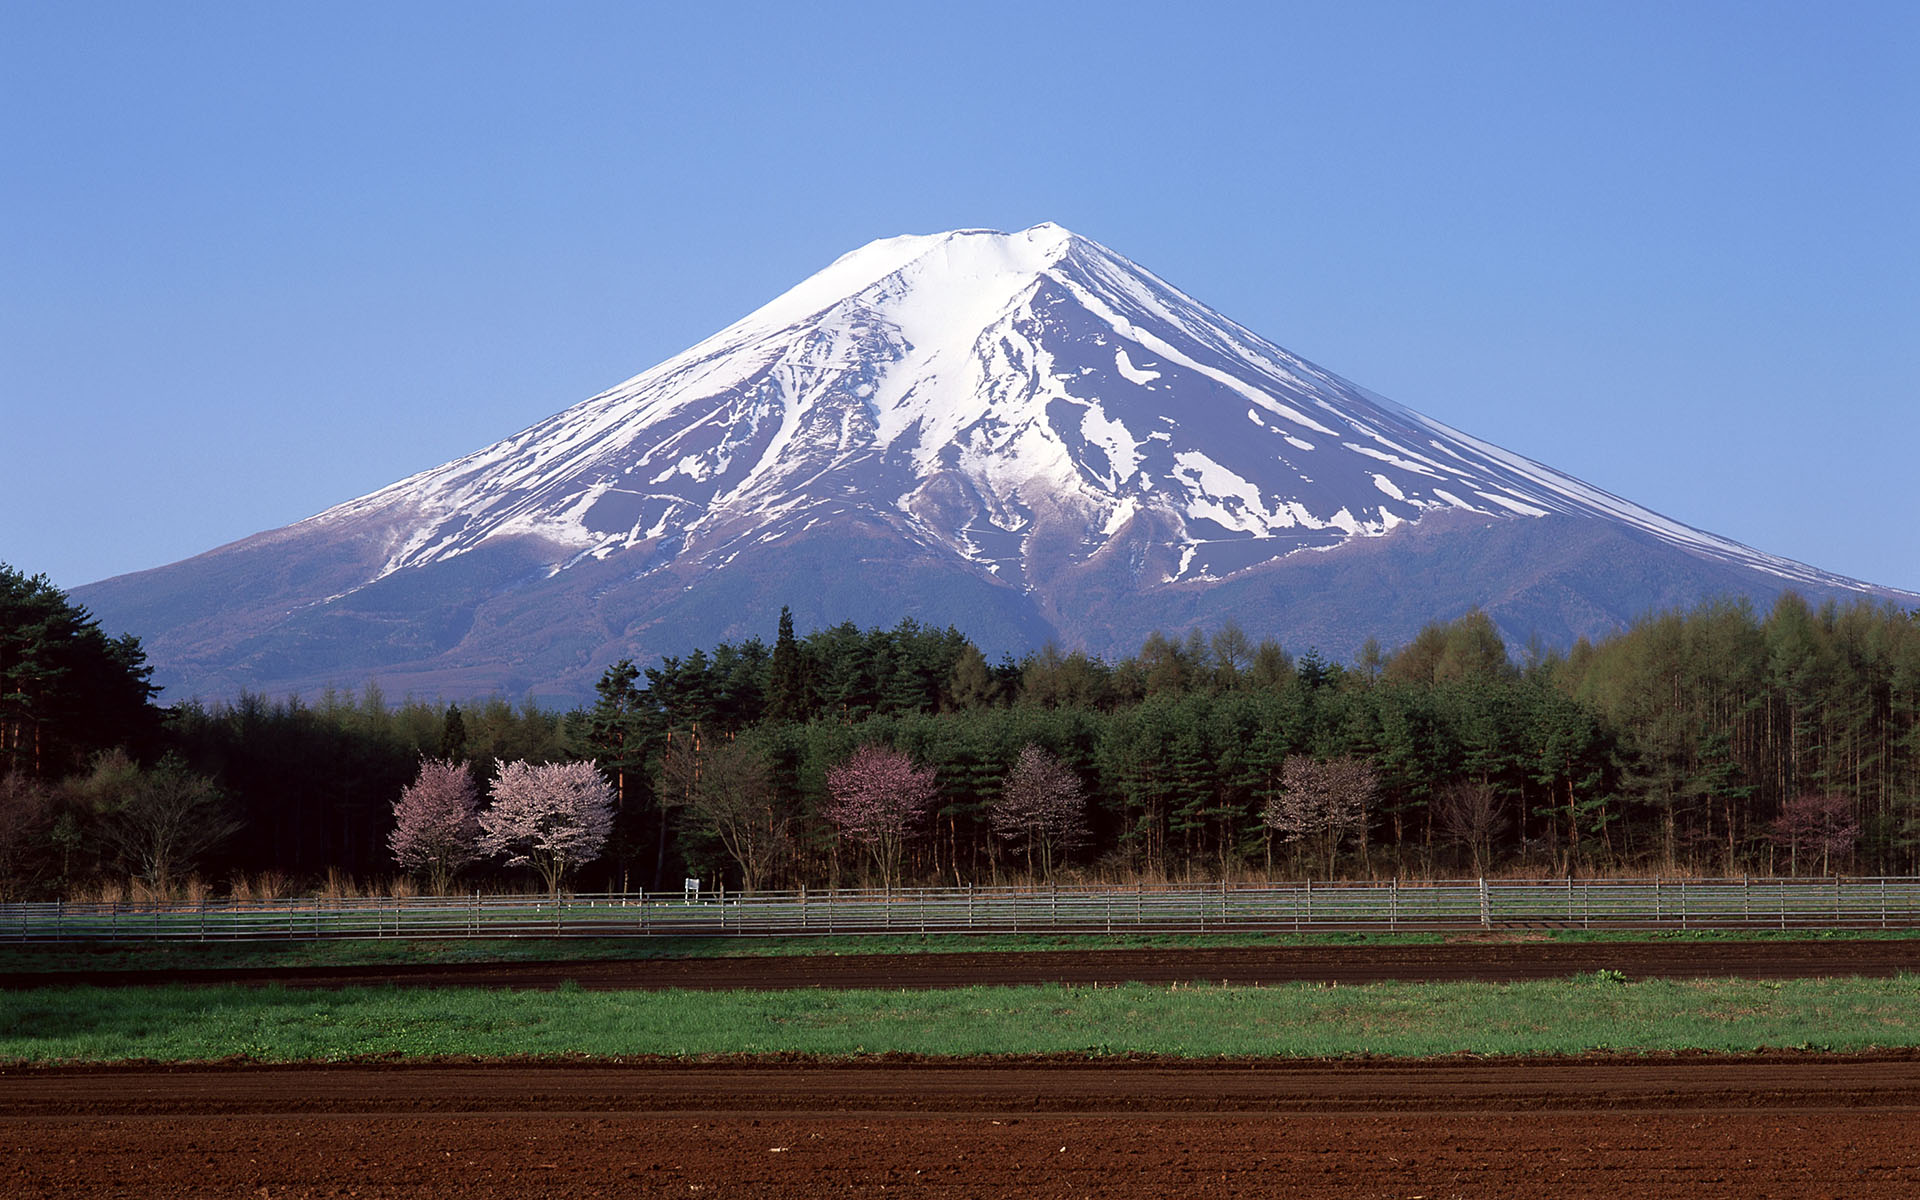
[(1691, 1126), (1783, 1126), (1504, 959)]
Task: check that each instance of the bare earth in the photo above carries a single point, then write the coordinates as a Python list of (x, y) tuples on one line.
[(1694, 1126), (1494, 960)]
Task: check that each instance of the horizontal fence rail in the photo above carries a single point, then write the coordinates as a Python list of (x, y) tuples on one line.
[(1723, 904)]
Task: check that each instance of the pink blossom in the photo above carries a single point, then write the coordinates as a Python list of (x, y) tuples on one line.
[(436, 826), (879, 800), (1041, 807), (1822, 822), (552, 817)]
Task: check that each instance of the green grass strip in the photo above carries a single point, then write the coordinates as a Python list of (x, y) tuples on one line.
[(1593, 1012)]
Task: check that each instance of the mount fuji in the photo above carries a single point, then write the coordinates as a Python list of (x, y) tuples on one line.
[(1022, 434)]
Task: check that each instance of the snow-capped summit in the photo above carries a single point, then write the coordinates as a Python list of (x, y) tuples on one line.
[(1023, 433), (968, 385)]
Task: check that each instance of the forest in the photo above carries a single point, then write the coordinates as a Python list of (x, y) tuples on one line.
[(1717, 741)]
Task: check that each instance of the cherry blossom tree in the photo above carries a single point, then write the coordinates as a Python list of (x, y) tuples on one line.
[(1041, 809), (879, 800), (436, 822), (1321, 802), (1822, 822), (552, 817)]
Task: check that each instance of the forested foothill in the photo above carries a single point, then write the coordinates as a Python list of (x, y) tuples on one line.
[(1719, 741)]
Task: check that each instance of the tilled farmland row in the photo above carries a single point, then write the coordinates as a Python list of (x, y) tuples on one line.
[(1628, 1128), (1496, 961)]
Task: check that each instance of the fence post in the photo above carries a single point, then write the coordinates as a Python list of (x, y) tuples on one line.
[(1393, 905), (1309, 901), (1486, 905)]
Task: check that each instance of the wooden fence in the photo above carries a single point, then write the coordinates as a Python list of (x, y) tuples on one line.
[(1639, 904)]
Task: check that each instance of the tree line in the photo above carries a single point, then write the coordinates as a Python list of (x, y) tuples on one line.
[(1718, 740)]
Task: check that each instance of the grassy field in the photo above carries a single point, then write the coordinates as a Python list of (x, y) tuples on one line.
[(1592, 1012), (44, 957)]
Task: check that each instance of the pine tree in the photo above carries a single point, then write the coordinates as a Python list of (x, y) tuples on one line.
[(453, 735), (787, 675), (66, 688)]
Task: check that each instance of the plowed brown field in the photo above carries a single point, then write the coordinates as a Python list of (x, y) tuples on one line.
[(1790, 1127), (1493, 960), (1694, 1126)]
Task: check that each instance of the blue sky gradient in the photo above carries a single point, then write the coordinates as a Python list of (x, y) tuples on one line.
[(259, 259)]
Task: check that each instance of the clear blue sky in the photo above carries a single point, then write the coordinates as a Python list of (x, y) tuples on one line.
[(260, 258)]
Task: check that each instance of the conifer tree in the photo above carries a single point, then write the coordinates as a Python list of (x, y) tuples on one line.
[(787, 684), (66, 688)]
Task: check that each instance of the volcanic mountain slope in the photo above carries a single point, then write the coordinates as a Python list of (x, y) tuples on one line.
[(1023, 434)]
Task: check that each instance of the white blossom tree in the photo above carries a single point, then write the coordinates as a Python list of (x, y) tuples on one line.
[(552, 817), (1321, 803), (436, 822)]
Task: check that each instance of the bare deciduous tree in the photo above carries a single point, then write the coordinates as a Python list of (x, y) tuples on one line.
[(26, 817), (727, 788), (158, 821), (1470, 813)]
